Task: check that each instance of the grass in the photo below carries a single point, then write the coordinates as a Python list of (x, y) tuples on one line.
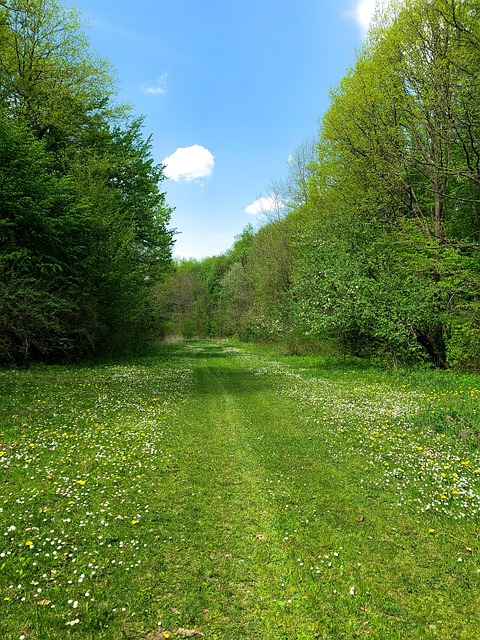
[(220, 491)]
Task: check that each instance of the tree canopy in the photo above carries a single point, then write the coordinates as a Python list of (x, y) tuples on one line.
[(84, 225)]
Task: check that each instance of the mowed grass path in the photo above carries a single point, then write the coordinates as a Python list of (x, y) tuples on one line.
[(218, 492)]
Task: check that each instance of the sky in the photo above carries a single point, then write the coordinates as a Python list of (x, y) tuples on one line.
[(228, 90)]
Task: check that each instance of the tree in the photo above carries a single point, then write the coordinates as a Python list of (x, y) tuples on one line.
[(300, 172), (38, 218), (84, 222), (393, 157), (50, 77), (117, 183)]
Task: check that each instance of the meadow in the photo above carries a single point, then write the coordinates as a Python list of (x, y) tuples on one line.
[(219, 490)]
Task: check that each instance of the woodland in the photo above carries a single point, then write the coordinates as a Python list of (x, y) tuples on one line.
[(83, 221), (374, 250)]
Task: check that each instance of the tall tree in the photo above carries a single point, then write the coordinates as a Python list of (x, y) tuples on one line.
[(87, 236), (50, 76), (39, 261), (394, 148)]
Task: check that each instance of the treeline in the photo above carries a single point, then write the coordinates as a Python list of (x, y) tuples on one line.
[(378, 251), (83, 223)]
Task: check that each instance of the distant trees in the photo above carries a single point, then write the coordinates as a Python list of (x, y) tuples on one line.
[(83, 223), (379, 248)]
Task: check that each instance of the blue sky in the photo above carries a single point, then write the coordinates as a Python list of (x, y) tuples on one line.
[(228, 90)]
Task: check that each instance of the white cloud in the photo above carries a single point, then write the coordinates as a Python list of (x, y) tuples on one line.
[(264, 205), (362, 12), (159, 89), (189, 163)]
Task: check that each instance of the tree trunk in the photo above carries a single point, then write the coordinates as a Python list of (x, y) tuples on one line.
[(437, 355)]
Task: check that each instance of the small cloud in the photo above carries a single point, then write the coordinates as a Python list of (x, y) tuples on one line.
[(159, 89), (189, 163), (264, 205)]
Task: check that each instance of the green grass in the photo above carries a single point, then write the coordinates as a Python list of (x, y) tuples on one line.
[(221, 491)]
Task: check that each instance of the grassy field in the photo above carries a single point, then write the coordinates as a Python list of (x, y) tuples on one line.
[(219, 491)]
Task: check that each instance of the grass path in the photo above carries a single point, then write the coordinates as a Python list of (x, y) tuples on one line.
[(217, 492)]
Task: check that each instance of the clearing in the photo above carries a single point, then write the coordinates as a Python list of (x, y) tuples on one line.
[(218, 491)]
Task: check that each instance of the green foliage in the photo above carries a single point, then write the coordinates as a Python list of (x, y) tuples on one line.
[(388, 258), (38, 300), (83, 222), (464, 341), (52, 79)]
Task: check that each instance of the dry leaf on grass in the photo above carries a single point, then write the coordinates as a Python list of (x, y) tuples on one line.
[(157, 634), (189, 633), (161, 634)]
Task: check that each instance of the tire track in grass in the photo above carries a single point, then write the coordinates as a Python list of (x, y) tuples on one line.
[(238, 559), (246, 453)]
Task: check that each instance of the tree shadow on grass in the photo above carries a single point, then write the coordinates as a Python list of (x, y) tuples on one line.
[(232, 381), (210, 351), (220, 377)]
